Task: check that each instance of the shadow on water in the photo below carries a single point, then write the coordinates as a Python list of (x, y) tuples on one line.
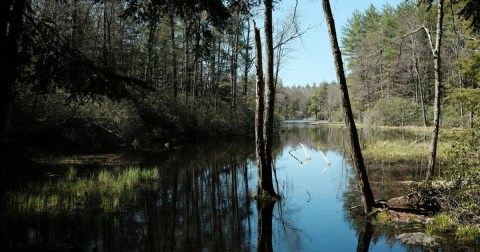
[(202, 201)]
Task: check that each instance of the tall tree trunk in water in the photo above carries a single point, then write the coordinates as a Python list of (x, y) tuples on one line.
[(438, 92), (11, 25), (265, 183), (365, 191), (259, 116), (269, 97)]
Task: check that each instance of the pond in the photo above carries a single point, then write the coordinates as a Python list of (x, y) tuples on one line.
[(202, 201)]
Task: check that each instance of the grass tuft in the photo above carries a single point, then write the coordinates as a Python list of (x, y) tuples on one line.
[(468, 233), (108, 191)]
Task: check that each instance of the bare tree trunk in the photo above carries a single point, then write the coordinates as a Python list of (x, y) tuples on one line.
[(367, 198), (151, 40), (269, 99), (174, 55), (195, 62), (105, 36), (259, 112), (247, 60), (186, 51), (419, 79), (438, 92), (75, 24), (234, 66)]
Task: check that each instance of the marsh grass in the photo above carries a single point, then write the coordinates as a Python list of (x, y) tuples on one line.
[(399, 150), (106, 190), (468, 233), (382, 218), (441, 224)]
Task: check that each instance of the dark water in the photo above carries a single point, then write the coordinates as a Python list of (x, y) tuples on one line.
[(203, 203)]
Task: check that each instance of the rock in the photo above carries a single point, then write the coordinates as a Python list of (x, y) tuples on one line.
[(399, 203), (417, 239)]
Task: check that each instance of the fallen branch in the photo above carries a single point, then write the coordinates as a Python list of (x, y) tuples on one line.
[(305, 150)]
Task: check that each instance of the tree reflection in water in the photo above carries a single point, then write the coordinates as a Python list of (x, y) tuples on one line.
[(365, 235), (265, 215), (202, 202)]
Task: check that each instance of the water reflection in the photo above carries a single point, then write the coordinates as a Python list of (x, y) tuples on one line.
[(203, 203), (264, 226), (365, 236)]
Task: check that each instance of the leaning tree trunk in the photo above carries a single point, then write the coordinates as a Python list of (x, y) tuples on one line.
[(366, 192), (265, 183), (438, 92)]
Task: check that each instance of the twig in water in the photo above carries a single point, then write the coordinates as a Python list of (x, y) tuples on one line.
[(305, 150)]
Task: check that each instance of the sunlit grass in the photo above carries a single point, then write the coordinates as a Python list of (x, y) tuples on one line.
[(382, 218), (399, 150), (107, 190), (441, 224), (468, 233)]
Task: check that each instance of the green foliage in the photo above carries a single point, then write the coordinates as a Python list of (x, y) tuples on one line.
[(471, 12), (470, 97), (51, 121), (382, 219), (264, 196), (441, 224), (352, 33), (468, 233), (463, 194), (395, 111)]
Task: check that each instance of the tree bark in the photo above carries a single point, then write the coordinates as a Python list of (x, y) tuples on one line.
[(418, 78), (367, 198), (174, 55), (152, 29), (438, 92), (259, 114), (269, 100), (247, 59)]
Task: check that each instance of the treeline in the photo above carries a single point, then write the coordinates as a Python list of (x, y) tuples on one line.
[(118, 71), (320, 102), (391, 67)]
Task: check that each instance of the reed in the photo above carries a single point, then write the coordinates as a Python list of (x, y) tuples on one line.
[(107, 190)]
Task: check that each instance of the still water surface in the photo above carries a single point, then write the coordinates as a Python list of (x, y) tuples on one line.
[(203, 202)]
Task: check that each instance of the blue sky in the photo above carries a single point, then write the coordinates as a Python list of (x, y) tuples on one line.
[(311, 58)]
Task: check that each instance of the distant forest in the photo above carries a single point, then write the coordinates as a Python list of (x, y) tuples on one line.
[(110, 73)]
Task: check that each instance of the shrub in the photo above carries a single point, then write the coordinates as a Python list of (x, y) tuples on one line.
[(395, 111)]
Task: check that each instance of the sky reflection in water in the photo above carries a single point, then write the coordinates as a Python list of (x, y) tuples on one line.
[(203, 203), (313, 202)]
